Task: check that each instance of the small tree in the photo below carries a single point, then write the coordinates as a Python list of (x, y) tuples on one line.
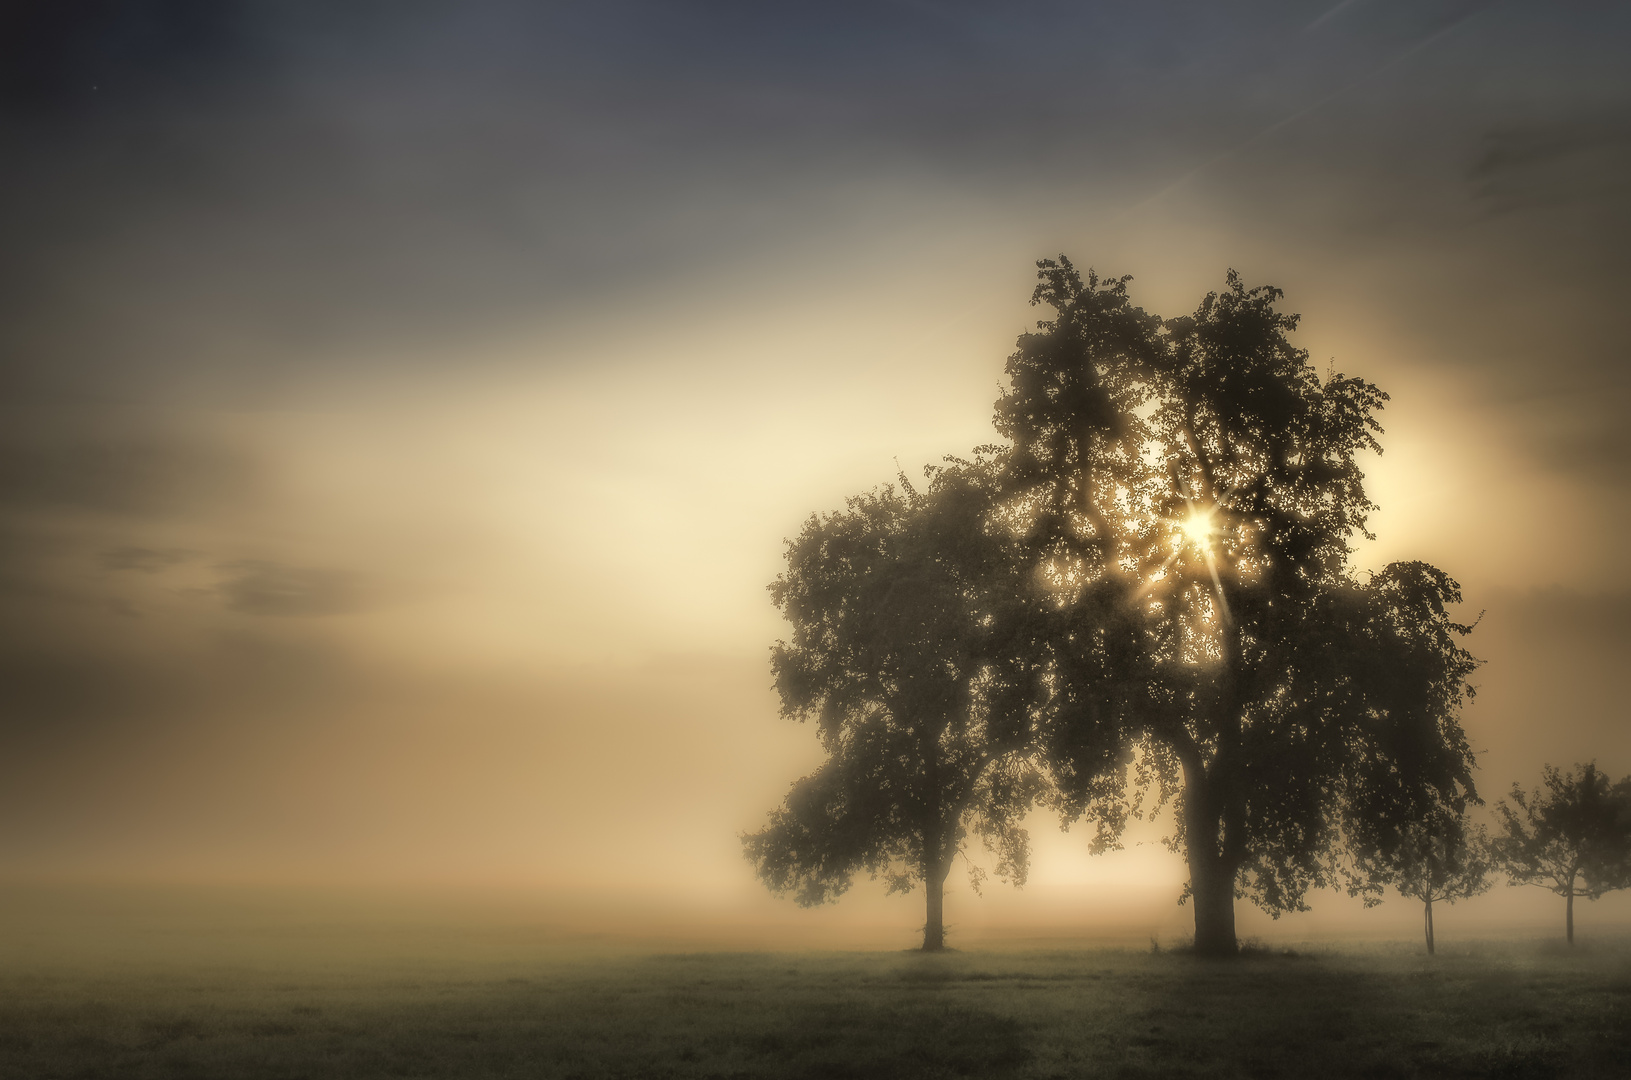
[(1571, 835), (1436, 861), (897, 657)]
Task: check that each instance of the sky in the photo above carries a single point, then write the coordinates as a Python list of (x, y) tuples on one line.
[(404, 405)]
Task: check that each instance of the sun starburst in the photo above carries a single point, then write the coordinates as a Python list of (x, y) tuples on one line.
[(1198, 528)]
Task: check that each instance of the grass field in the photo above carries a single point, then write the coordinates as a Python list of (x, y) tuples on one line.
[(1496, 1010)]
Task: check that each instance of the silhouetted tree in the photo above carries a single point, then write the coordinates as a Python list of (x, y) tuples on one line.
[(1189, 490), (1571, 835), (897, 606), (1435, 861)]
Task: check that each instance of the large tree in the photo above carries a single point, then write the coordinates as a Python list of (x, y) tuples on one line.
[(1571, 835), (903, 656), (1190, 489)]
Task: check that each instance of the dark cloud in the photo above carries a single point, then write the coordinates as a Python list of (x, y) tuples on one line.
[(259, 587), (61, 693), (259, 186), (1570, 163), (146, 560), (129, 475), (62, 60)]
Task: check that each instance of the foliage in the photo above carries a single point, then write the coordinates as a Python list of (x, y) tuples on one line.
[(1188, 491), (902, 657), (1441, 859), (1571, 835)]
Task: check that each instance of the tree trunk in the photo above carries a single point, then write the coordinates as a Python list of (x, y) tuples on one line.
[(1211, 878), (934, 926), (1568, 913), (1212, 889), (1429, 926)]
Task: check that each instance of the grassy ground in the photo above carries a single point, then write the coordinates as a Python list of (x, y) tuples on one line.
[(1495, 1011)]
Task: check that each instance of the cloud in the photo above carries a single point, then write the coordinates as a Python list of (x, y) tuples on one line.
[(72, 694), (266, 189), (260, 587), (1571, 162), (140, 475), (146, 560)]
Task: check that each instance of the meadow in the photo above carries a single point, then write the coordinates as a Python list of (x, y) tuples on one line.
[(477, 1007)]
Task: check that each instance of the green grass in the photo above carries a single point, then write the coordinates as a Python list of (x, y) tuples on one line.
[(1487, 1011)]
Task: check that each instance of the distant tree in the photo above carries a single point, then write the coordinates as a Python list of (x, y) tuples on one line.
[(1435, 861), (1571, 835), (898, 606), (1189, 490)]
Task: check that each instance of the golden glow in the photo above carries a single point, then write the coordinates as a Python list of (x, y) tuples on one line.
[(525, 649), (1198, 528)]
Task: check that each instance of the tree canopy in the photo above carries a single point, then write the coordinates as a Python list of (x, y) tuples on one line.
[(898, 655), (1155, 570), (1571, 835), (1190, 489)]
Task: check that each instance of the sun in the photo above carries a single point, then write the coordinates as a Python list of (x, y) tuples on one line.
[(1198, 528)]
